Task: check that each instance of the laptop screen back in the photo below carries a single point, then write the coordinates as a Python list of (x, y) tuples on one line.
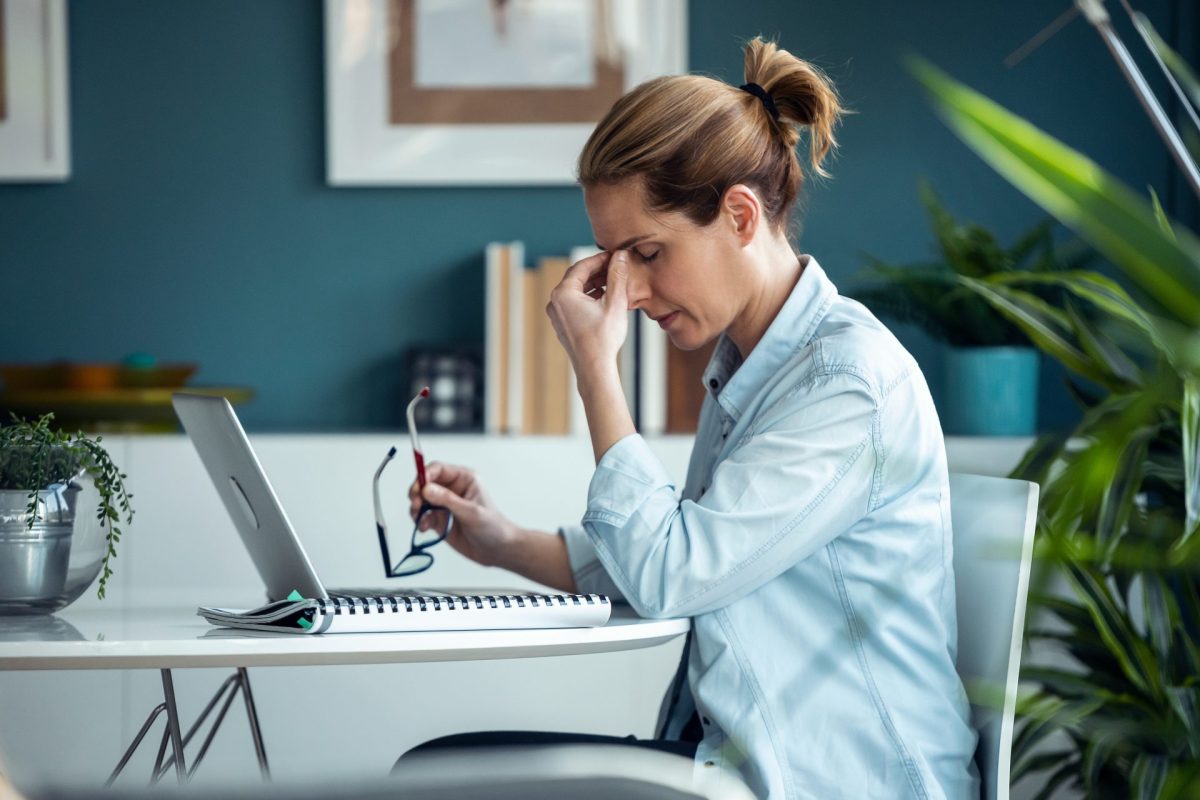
[(219, 439)]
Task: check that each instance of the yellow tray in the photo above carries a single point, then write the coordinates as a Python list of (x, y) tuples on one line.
[(115, 410)]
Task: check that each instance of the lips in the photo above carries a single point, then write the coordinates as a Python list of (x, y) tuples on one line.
[(666, 319)]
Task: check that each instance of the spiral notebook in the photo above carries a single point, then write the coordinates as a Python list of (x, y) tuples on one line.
[(423, 612), (300, 603)]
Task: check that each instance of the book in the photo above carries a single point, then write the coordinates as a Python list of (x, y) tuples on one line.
[(504, 289), (421, 612), (533, 400), (495, 391), (577, 418), (685, 386), (652, 377), (515, 404), (556, 381)]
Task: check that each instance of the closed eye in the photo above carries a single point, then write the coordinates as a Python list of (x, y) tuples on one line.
[(648, 258)]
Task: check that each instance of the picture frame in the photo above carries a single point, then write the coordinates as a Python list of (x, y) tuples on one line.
[(406, 107), (34, 102)]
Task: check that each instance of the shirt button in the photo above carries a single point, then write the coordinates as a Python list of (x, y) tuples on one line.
[(713, 383), (709, 763)]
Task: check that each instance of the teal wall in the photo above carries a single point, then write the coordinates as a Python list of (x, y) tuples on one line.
[(197, 224)]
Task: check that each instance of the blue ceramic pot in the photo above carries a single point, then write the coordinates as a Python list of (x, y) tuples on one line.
[(990, 391)]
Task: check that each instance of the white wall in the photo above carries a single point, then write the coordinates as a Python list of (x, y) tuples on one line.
[(337, 722)]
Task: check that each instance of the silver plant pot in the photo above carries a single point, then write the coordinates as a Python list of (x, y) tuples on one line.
[(37, 571)]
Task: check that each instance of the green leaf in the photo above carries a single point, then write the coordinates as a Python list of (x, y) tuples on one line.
[(1148, 776), (1121, 485), (1066, 775), (1179, 68), (1076, 191), (1190, 437), (1130, 652), (1040, 763), (1184, 703), (1046, 326), (1160, 617), (1071, 613), (1037, 237), (1103, 350), (1041, 455), (1161, 215), (1105, 294), (1183, 782), (1040, 719)]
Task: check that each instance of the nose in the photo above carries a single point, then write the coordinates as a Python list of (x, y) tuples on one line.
[(637, 287)]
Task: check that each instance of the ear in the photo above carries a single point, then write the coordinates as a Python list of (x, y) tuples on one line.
[(742, 211)]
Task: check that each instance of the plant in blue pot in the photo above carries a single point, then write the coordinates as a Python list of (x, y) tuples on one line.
[(990, 367)]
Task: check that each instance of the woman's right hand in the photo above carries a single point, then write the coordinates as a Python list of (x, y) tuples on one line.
[(480, 532)]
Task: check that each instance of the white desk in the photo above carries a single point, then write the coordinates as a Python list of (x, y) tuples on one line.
[(170, 638)]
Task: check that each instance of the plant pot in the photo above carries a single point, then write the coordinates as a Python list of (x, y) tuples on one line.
[(48, 566), (990, 391)]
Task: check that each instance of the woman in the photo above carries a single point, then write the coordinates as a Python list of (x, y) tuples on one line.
[(812, 543)]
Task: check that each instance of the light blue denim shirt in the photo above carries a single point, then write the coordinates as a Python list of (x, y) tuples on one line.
[(812, 550)]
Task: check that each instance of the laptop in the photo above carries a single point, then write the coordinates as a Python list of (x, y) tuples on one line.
[(221, 442)]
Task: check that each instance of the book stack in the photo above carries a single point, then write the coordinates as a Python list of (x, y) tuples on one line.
[(529, 387)]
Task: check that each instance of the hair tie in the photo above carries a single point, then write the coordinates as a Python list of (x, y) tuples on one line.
[(761, 94)]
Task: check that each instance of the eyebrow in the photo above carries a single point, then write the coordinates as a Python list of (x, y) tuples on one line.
[(628, 243)]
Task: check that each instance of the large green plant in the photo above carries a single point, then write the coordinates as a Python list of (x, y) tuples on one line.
[(930, 295), (1121, 491)]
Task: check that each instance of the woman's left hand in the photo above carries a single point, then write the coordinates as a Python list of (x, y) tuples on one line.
[(589, 311)]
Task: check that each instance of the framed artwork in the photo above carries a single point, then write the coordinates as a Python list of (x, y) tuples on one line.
[(34, 125), (483, 92)]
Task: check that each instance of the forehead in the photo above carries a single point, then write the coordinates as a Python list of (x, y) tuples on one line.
[(616, 212)]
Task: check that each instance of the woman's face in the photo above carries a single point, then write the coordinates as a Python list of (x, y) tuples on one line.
[(683, 276)]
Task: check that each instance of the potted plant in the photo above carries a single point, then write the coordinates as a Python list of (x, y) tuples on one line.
[(49, 551), (1120, 505), (990, 368)]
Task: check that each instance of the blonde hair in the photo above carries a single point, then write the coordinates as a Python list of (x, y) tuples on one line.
[(689, 138)]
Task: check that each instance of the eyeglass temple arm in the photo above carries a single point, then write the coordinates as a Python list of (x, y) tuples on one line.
[(380, 525), (418, 454)]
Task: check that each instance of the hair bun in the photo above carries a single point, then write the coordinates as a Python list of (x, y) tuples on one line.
[(801, 94)]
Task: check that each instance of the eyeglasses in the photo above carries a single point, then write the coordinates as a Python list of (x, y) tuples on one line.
[(440, 518)]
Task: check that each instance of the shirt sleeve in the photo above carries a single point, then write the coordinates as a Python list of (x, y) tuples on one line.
[(804, 475), (590, 575)]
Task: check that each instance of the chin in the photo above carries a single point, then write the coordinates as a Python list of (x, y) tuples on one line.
[(689, 340)]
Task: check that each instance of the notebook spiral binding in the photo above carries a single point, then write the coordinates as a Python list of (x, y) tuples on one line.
[(382, 604)]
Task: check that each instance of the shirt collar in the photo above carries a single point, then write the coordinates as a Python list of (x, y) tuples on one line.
[(732, 382)]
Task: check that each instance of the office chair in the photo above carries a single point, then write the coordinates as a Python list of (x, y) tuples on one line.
[(538, 772), (549, 772), (994, 520)]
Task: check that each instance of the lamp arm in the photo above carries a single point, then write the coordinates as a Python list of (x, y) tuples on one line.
[(1096, 14)]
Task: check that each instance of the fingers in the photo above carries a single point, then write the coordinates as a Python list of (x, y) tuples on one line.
[(579, 273), (441, 496), (596, 282), (459, 480), (616, 288)]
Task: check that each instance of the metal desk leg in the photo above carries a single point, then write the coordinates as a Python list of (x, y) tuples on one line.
[(173, 725), (158, 709), (255, 732), (172, 732)]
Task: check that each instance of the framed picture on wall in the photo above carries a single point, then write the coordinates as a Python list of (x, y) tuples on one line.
[(34, 130), (482, 92)]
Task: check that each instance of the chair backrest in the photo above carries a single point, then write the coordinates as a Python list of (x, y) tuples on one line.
[(994, 520)]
